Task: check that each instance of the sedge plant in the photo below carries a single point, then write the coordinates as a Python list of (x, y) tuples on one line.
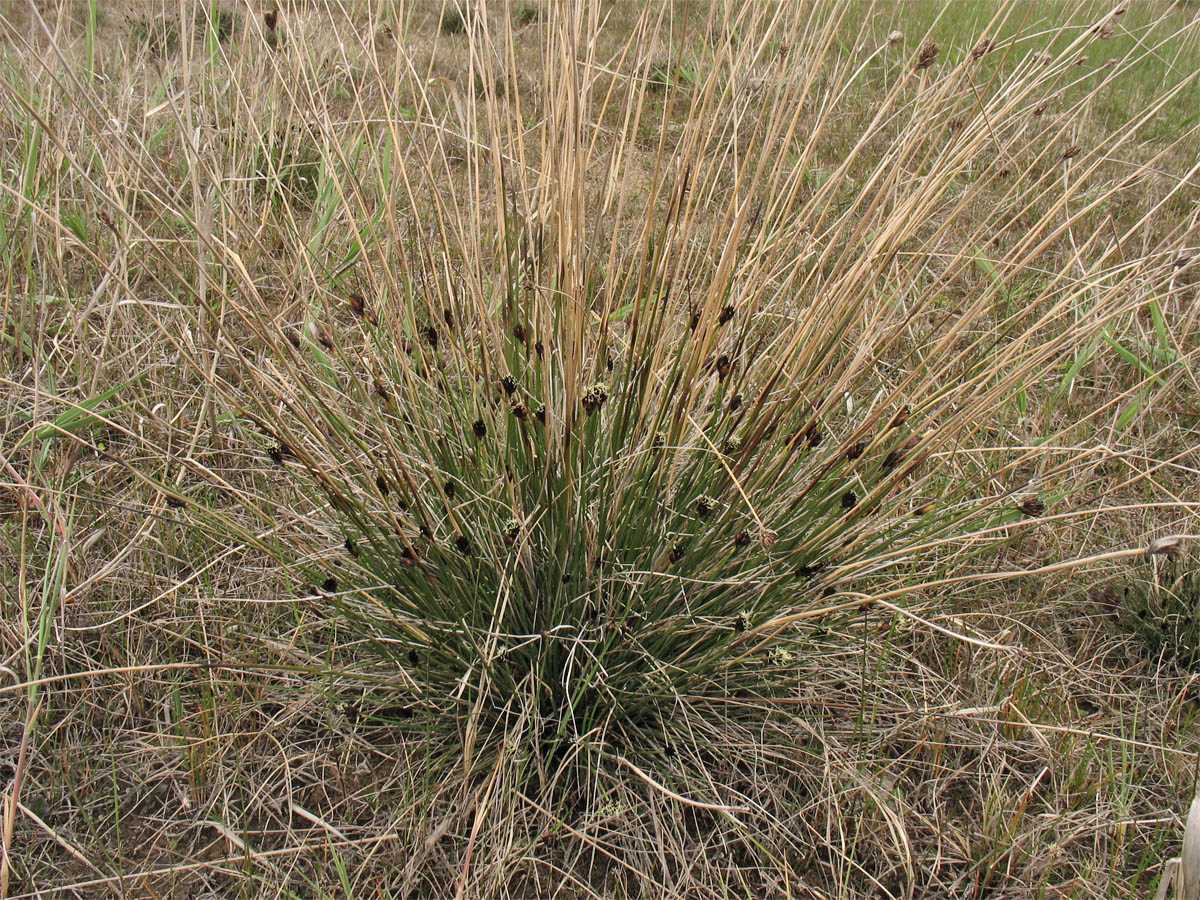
[(598, 405)]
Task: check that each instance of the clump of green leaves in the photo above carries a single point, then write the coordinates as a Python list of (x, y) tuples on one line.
[(585, 453), (1162, 606)]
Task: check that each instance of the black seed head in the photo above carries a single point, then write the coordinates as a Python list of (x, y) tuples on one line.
[(726, 315), (518, 333), (519, 409), (414, 658), (813, 436), (705, 505), (810, 570), (849, 500), (742, 539), (694, 320), (324, 339), (540, 413), (509, 384), (732, 445), (448, 488), (854, 451), (892, 460), (676, 553), (448, 317), (900, 417), (329, 585), (512, 528), (723, 367), (462, 544), (594, 397), (741, 623), (357, 304), (539, 349), (659, 441), (479, 429), (293, 337), (351, 547), (431, 337), (382, 484), (1032, 506), (926, 57), (735, 402), (176, 502), (425, 532)]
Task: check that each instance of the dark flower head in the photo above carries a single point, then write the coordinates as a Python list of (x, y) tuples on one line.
[(414, 658), (518, 333), (855, 450), (742, 539), (926, 57), (329, 585), (276, 454), (382, 484), (431, 337), (726, 315), (462, 544), (448, 317), (705, 505), (357, 304), (509, 384), (176, 502), (512, 528), (849, 500), (900, 417), (723, 367), (519, 409), (810, 570), (479, 428), (351, 547), (594, 397), (1032, 506), (448, 488), (676, 553), (732, 445)]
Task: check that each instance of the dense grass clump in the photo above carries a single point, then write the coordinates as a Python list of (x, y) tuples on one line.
[(1163, 609), (595, 410)]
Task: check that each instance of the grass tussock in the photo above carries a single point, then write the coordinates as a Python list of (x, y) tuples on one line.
[(574, 423)]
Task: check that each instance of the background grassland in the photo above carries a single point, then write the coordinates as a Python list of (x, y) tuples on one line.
[(185, 713)]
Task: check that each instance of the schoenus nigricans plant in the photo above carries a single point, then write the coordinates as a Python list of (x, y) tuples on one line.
[(727, 354)]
